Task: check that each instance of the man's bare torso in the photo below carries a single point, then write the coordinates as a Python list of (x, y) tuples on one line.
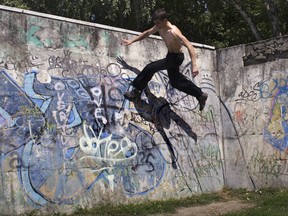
[(173, 43)]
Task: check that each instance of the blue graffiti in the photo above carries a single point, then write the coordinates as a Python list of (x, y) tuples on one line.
[(276, 129), (43, 123)]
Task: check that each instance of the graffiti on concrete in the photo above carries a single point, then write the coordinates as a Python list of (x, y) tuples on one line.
[(271, 165), (66, 134), (59, 137), (272, 94), (276, 128)]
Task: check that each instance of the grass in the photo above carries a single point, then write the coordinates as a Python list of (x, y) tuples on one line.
[(266, 202), (151, 207)]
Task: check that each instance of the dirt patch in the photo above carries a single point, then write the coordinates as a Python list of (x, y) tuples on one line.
[(213, 208), (216, 208)]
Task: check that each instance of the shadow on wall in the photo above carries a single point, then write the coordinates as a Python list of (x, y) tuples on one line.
[(63, 135), (158, 112)]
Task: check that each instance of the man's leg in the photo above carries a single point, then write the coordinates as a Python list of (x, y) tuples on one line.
[(180, 82), (141, 81)]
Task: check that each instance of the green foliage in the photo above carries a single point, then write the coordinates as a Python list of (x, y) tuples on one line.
[(212, 22), (14, 3)]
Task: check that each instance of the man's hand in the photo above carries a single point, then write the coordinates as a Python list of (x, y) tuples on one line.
[(126, 42), (195, 71)]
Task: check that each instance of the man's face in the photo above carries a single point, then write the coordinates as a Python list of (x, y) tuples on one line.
[(160, 23)]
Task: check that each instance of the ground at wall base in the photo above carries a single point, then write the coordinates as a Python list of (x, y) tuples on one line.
[(217, 208)]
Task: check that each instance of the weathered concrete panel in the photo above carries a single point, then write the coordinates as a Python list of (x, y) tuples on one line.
[(68, 136), (254, 131)]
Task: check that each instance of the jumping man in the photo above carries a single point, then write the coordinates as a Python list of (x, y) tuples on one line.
[(174, 41)]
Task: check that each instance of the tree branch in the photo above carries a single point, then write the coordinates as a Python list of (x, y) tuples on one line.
[(246, 17), (271, 8)]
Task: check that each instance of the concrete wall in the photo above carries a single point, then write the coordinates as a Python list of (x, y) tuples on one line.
[(253, 87), (68, 137)]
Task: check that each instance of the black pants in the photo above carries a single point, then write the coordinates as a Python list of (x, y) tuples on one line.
[(177, 80)]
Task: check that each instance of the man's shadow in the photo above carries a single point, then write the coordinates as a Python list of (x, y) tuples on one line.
[(158, 112)]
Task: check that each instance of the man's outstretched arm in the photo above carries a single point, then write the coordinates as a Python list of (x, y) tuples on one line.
[(143, 35)]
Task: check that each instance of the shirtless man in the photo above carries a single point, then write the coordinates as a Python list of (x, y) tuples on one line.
[(174, 41)]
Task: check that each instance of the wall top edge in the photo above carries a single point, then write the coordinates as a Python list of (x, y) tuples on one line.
[(264, 41), (101, 26)]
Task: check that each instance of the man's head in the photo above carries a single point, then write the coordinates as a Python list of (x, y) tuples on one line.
[(160, 18)]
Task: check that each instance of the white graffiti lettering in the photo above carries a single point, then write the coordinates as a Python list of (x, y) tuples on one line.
[(114, 150)]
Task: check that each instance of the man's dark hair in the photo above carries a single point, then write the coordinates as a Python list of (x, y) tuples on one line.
[(159, 14)]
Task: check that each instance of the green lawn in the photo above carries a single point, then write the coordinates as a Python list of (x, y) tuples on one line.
[(267, 202)]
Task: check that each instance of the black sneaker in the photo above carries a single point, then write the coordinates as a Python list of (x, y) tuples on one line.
[(202, 101), (133, 94)]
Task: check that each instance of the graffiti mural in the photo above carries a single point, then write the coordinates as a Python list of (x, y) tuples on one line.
[(276, 129), (49, 118), (73, 131), (272, 93), (67, 131)]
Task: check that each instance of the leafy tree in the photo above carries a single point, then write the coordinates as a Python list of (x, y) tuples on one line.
[(215, 22), (14, 3)]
